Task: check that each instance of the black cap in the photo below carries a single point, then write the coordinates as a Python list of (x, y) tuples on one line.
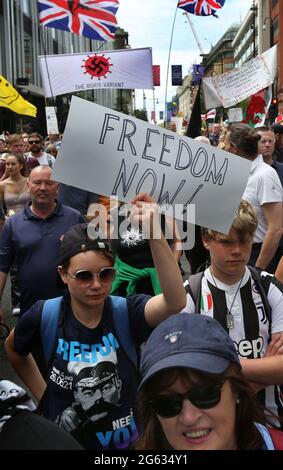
[(98, 374), (187, 340), (79, 239)]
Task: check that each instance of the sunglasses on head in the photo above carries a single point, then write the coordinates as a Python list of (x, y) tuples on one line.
[(34, 142), (85, 277), (203, 397)]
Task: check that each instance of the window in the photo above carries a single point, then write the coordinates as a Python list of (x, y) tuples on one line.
[(228, 54), (25, 7), (274, 30), (28, 56)]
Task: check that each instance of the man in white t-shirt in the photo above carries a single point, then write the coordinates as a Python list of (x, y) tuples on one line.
[(36, 151), (263, 191)]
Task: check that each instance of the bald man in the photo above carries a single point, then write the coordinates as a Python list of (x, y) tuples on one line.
[(32, 238)]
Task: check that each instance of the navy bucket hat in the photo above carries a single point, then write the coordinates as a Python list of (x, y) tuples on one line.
[(187, 340)]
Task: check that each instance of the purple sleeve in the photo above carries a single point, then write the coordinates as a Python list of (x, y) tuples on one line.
[(6, 249), (92, 198), (81, 220)]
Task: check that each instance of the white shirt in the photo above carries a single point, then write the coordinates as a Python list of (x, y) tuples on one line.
[(43, 159), (263, 186)]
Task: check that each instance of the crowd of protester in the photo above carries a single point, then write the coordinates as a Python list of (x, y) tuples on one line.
[(117, 346)]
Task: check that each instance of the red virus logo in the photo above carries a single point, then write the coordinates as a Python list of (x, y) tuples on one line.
[(97, 66)]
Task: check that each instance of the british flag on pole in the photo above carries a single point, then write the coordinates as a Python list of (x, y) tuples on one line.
[(93, 19), (201, 7)]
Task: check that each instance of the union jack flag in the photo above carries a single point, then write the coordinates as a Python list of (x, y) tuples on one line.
[(201, 7), (93, 19)]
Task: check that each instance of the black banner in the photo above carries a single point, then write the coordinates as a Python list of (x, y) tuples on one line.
[(176, 72)]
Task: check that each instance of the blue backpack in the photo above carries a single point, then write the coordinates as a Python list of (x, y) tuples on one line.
[(50, 318)]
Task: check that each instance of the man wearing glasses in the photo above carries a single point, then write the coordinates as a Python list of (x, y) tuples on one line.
[(36, 151)]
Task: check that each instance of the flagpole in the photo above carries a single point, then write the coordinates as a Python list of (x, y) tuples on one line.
[(168, 64), (154, 107), (47, 69)]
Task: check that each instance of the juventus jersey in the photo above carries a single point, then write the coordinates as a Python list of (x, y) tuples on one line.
[(251, 327)]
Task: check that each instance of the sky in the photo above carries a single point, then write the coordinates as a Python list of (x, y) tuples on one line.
[(149, 24)]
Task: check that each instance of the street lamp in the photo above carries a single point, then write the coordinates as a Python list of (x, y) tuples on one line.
[(155, 101), (144, 100), (254, 10), (265, 38)]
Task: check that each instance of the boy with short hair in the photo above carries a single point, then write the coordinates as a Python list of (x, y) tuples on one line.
[(234, 296)]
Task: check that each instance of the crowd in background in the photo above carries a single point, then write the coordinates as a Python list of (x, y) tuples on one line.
[(209, 381)]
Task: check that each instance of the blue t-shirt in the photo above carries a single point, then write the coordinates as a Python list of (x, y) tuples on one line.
[(92, 385), (33, 243), (278, 167), (77, 198)]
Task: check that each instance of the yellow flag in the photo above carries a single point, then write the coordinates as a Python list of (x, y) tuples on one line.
[(11, 99)]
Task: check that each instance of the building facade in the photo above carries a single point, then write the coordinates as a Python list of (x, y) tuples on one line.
[(245, 43), (275, 22), (22, 40), (261, 29), (220, 59), (184, 93)]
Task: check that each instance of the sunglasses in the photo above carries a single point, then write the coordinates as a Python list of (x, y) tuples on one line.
[(204, 397), (85, 277), (34, 142)]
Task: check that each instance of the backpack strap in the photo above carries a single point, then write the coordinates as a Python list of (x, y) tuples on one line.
[(193, 287), (48, 327), (49, 160), (122, 326), (263, 290)]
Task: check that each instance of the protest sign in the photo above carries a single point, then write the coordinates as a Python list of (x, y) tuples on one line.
[(235, 114), (239, 84), (232, 87), (51, 120), (122, 69), (110, 153), (178, 121)]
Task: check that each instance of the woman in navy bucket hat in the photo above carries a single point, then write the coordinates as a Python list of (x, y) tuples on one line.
[(193, 395)]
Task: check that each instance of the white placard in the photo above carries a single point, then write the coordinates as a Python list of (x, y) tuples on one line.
[(110, 153), (232, 87), (235, 114), (239, 84), (51, 120), (178, 120), (122, 69)]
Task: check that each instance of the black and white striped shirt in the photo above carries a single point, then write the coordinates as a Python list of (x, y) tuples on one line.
[(250, 333)]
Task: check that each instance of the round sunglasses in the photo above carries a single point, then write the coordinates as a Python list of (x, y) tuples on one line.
[(85, 277), (203, 397)]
